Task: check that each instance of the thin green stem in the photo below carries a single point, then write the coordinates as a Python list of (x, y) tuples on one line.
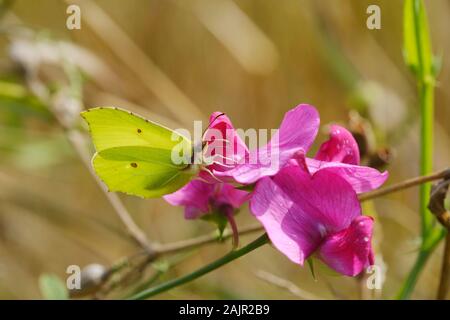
[(426, 91), (411, 280), (431, 234), (233, 255)]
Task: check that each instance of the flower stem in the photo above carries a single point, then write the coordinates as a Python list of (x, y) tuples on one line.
[(426, 151), (233, 255), (411, 280), (234, 229), (444, 283), (405, 185), (425, 75)]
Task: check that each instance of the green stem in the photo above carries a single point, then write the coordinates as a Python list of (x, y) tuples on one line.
[(426, 91), (424, 253), (411, 280), (431, 235), (233, 255)]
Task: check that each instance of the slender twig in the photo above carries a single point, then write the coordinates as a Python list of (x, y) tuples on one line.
[(285, 284), (233, 255), (444, 283), (437, 206), (202, 240), (173, 248), (405, 185)]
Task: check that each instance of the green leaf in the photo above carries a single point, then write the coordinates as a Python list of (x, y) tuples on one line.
[(16, 100), (416, 42), (311, 268), (134, 155), (219, 219), (247, 187), (52, 287)]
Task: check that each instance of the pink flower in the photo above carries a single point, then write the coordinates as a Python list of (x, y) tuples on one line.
[(320, 213), (200, 199), (340, 147), (222, 147), (297, 133), (340, 154), (233, 161)]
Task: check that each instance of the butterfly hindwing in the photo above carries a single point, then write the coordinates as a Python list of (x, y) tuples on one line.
[(134, 155)]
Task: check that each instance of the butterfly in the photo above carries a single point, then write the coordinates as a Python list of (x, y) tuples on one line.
[(136, 156)]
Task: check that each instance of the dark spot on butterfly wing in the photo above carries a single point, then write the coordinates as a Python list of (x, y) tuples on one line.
[(133, 164), (139, 130)]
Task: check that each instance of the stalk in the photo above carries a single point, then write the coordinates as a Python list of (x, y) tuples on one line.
[(233, 255)]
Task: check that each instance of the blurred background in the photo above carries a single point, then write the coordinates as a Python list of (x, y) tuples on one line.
[(175, 61)]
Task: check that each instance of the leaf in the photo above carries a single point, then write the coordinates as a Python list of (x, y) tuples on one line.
[(416, 42), (52, 287), (247, 187), (311, 268), (219, 219), (134, 155)]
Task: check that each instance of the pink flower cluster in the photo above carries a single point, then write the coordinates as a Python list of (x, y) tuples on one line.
[(306, 205)]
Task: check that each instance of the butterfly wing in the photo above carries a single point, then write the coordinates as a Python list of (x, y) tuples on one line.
[(134, 155)]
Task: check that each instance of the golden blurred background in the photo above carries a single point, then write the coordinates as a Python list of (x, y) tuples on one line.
[(175, 61)]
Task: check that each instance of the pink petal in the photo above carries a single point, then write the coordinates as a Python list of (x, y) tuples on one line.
[(341, 147), (349, 251), (197, 197), (191, 213), (297, 132), (298, 210), (195, 194), (362, 179), (270, 206), (223, 143), (228, 194), (327, 198)]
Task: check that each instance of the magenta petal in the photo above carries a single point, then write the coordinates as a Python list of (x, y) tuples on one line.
[(270, 206), (197, 197), (349, 251), (230, 195), (195, 194), (191, 212), (340, 147), (298, 210), (362, 179), (325, 197), (297, 132), (224, 145)]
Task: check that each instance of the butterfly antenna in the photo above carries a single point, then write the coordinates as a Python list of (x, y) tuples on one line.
[(223, 165), (211, 122), (202, 180), (232, 160), (223, 140), (211, 174)]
